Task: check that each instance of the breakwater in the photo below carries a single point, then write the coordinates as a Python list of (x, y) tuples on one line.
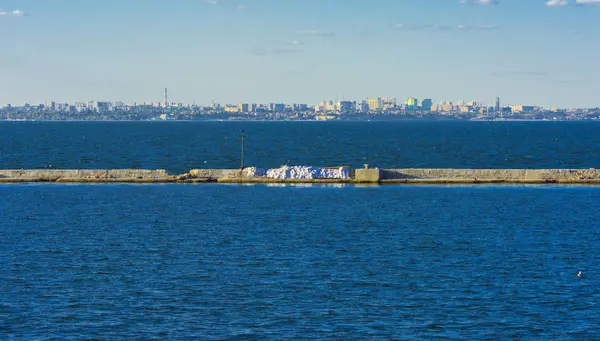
[(85, 175), (359, 176)]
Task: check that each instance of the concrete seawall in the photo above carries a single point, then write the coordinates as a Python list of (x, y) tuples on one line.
[(426, 176), (358, 176), (491, 175), (216, 174), (85, 175)]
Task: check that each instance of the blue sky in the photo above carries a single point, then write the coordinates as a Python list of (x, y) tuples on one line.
[(300, 51)]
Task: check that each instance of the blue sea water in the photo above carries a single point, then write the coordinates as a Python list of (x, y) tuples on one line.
[(229, 262), (232, 262), (180, 146)]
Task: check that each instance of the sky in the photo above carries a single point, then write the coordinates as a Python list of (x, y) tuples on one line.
[(530, 52)]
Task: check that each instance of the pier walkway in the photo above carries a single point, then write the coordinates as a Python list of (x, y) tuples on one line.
[(358, 176)]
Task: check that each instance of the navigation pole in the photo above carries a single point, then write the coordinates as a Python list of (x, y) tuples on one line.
[(243, 138)]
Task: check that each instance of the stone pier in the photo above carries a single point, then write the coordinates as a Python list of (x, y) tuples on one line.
[(359, 176)]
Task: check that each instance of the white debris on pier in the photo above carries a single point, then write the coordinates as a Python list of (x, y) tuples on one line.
[(298, 173)]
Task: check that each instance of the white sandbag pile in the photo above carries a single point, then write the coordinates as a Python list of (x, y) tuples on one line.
[(298, 173), (253, 172)]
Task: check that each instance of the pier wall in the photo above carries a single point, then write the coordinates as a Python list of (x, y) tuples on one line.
[(216, 174), (365, 175), (492, 175), (47, 175)]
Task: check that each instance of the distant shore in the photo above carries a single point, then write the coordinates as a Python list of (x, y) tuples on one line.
[(316, 121)]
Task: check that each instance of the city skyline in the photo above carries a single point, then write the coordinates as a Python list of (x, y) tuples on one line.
[(381, 101), (261, 51)]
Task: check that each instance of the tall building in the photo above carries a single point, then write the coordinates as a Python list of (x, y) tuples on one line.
[(102, 107), (389, 102), (426, 104), (411, 103), (497, 106), (447, 106), (243, 107), (347, 106), (363, 107), (329, 105), (375, 104), (276, 107), (166, 104), (466, 109)]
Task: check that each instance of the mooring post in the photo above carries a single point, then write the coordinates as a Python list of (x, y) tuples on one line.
[(243, 138)]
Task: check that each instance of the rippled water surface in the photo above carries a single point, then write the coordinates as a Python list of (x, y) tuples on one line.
[(271, 263), (179, 146)]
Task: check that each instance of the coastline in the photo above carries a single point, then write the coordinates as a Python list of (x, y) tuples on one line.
[(450, 119)]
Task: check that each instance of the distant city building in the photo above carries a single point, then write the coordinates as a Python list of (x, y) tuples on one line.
[(446, 106), (244, 107), (497, 105), (363, 107), (60, 106), (375, 104), (347, 106), (232, 109), (466, 109), (522, 108), (276, 107), (326, 105), (330, 106), (389, 103), (93, 105), (300, 107), (102, 107), (411, 103), (426, 104)]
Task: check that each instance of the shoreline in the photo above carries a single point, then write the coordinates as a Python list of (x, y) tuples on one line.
[(314, 120)]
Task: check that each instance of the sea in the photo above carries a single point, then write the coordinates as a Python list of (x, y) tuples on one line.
[(299, 262), (181, 146)]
